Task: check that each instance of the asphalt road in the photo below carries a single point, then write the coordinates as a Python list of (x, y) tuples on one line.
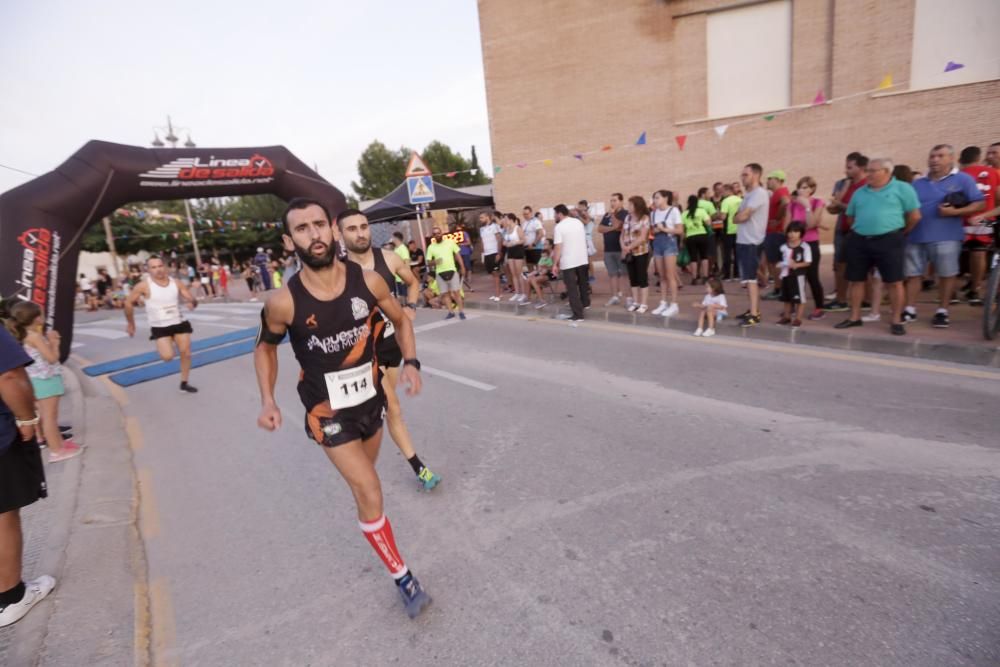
[(610, 496)]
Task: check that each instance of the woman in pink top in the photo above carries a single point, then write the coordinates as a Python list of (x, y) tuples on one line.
[(808, 209)]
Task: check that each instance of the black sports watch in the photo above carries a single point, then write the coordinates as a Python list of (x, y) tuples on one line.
[(410, 305), (412, 362)]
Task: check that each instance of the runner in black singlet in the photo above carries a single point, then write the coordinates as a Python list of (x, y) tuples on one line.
[(356, 237), (330, 311)]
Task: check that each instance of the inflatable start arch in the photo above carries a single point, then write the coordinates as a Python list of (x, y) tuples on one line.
[(42, 221)]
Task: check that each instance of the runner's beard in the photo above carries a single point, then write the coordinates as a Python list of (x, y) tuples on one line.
[(359, 246), (314, 261)]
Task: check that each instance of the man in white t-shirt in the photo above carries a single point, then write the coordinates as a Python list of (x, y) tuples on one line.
[(751, 228), (534, 238), (571, 258), (490, 235)]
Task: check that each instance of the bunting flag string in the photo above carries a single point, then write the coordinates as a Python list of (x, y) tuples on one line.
[(886, 84)]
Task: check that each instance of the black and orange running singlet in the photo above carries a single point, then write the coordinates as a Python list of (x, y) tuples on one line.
[(334, 343)]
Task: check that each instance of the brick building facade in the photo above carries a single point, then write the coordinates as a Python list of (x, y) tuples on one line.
[(567, 76)]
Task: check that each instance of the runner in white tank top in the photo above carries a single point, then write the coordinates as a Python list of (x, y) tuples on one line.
[(162, 295)]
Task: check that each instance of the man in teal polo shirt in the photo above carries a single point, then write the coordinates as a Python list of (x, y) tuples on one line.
[(881, 214)]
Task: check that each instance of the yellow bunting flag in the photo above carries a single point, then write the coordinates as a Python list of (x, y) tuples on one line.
[(886, 82), (547, 163)]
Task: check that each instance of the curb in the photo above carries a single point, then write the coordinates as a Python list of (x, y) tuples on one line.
[(914, 348), (32, 630)]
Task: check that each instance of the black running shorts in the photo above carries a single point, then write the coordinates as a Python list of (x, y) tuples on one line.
[(22, 477), (174, 329), (360, 423)]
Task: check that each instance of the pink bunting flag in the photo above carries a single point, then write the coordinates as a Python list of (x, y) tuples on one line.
[(819, 99), (451, 174), (681, 139), (522, 165)]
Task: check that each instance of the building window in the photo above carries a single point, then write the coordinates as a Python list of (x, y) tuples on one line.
[(958, 31), (749, 59)]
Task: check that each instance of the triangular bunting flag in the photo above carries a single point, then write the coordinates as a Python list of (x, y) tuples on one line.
[(473, 171), (886, 82), (819, 99), (641, 141), (720, 130), (769, 116), (522, 165), (681, 139), (496, 170), (578, 156), (607, 148), (451, 174), (547, 163), (952, 66)]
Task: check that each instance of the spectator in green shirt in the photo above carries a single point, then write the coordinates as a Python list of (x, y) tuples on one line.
[(400, 249), (444, 256), (729, 205)]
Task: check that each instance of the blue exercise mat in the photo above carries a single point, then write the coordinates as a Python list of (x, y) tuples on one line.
[(165, 368), (150, 357)]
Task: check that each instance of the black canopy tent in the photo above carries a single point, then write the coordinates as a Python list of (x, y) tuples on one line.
[(396, 205)]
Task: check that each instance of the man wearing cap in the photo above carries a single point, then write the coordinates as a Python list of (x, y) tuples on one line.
[(778, 214), (260, 260)]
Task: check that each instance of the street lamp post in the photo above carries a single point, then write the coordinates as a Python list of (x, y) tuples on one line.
[(172, 139)]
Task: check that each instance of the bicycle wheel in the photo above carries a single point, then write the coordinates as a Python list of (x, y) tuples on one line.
[(991, 304)]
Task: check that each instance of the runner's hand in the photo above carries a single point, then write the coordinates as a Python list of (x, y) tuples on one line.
[(410, 376), (269, 418), (27, 433), (411, 314), (130, 328)]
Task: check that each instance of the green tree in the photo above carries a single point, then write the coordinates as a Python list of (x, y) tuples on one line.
[(380, 170)]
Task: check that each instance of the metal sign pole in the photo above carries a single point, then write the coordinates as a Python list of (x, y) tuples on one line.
[(420, 226)]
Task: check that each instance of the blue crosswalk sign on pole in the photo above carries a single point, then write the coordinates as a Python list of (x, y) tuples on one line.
[(421, 189)]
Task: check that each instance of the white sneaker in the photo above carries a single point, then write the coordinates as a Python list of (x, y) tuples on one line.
[(494, 298), (699, 331), (629, 302), (632, 308), (613, 301), (671, 310), (871, 317), (708, 332), (659, 309), (34, 592), (540, 305), (642, 309), (514, 298)]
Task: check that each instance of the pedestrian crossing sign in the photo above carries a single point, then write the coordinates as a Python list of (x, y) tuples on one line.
[(421, 189)]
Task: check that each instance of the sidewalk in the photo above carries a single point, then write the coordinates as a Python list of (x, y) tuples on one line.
[(84, 534), (962, 342)]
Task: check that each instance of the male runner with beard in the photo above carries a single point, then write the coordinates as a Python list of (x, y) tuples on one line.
[(330, 310), (161, 294), (356, 236)]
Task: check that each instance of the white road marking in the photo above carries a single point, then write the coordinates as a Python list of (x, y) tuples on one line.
[(482, 386), (110, 334), (74, 346), (223, 326), (442, 323), (199, 317)]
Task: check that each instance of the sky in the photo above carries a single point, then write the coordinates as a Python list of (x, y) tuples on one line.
[(323, 78)]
